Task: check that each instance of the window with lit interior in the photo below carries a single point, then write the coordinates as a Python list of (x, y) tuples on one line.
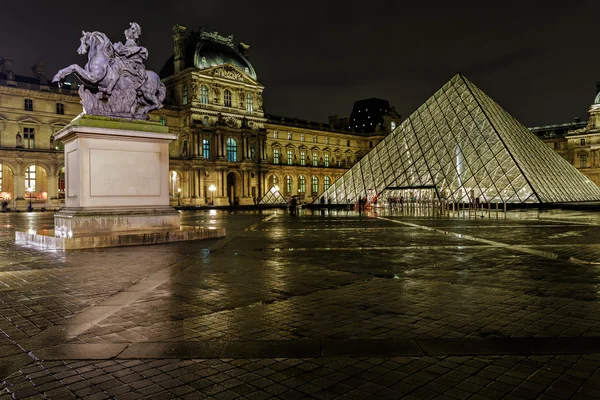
[(227, 97), (327, 159), (302, 158), (302, 184), (315, 184), (249, 102), (206, 149), (288, 184), (231, 150), (30, 178), (290, 157), (204, 94), (315, 159), (275, 156), (326, 183), (29, 138)]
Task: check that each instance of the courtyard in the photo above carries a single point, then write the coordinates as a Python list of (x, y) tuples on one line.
[(319, 305)]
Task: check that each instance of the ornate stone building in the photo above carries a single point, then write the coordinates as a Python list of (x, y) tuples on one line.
[(31, 111), (228, 150)]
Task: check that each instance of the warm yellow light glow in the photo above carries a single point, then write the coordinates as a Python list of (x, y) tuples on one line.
[(212, 188)]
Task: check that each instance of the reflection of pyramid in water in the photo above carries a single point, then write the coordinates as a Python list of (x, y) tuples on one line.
[(273, 197), (461, 144)]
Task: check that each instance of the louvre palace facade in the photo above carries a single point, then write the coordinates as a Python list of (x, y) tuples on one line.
[(229, 151)]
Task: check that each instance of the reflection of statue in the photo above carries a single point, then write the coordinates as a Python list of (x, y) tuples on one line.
[(115, 81), (19, 140)]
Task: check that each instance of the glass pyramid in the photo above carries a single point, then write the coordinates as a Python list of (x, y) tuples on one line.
[(461, 145), (273, 197)]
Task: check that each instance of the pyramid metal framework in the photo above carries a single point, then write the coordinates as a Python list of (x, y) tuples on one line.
[(273, 197), (463, 145)]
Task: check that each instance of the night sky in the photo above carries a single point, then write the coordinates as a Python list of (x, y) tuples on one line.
[(539, 60)]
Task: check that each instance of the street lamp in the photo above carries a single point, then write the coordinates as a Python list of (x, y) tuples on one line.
[(178, 197), (212, 189), (30, 190)]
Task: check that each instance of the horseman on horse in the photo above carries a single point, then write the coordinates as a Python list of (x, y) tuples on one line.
[(115, 80)]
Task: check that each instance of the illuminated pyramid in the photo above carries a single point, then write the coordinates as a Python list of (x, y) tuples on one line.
[(460, 145), (273, 197)]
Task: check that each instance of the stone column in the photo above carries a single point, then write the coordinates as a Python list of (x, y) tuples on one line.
[(191, 181), (201, 184)]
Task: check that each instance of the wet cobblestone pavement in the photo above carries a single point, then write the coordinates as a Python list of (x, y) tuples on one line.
[(314, 306)]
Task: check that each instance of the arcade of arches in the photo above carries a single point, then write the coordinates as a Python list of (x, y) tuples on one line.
[(22, 183)]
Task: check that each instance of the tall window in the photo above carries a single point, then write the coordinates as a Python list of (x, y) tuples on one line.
[(0, 177), (315, 184), (327, 159), (337, 141), (315, 159), (314, 139), (29, 138), (290, 159), (326, 183), (206, 121), (275, 156), (252, 149), (302, 184), (184, 97), (231, 150), (275, 135), (289, 135), (30, 178), (302, 158), (582, 142), (204, 94), (60, 108), (28, 105), (249, 102), (582, 160), (206, 149), (348, 143), (288, 184), (302, 137), (326, 139), (162, 120), (227, 98), (393, 125)]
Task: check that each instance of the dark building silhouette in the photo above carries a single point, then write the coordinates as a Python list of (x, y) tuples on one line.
[(367, 115)]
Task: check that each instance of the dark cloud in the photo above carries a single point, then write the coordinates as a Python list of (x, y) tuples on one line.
[(316, 58)]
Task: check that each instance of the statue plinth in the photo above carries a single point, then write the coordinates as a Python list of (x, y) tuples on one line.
[(117, 187)]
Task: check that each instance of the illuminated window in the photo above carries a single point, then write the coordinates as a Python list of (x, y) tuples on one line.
[(30, 178), (275, 135), (302, 137), (206, 149), (289, 135), (231, 150), (326, 183), (326, 139), (290, 156), (275, 156), (204, 94), (582, 160), (288, 184), (252, 147), (184, 95), (393, 125), (227, 98), (162, 120), (29, 138), (315, 184), (28, 105), (249, 102), (314, 139), (302, 158), (315, 159), (60, 108), (302, 184), (327, 159)]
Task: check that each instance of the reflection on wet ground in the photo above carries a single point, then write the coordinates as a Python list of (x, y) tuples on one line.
[(324, 289)]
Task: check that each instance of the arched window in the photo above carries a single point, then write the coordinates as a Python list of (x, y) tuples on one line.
[(227, 98), (204, 94), (315, 184), (249, 102), (301, 184), (30, 178), (231, 150), (184, 97), (326, 183), (288, 184)]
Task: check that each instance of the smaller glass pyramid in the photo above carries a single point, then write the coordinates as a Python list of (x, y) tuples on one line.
[(273, 197), (461, 146)]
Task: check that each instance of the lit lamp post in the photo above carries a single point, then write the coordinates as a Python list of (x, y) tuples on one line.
[(212, 189), (178, 197), (30, 190)]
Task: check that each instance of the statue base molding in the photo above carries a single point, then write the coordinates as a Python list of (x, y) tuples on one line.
[(117, 188)]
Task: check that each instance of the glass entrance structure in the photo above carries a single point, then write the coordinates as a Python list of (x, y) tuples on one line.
[(273, 197), (464, 146)]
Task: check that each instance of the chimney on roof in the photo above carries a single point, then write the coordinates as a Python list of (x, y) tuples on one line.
[(244, 49), (179, 47), (577, 119), (39, 72), (6, 65)]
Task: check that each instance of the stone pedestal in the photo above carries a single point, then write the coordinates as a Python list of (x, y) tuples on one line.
[(117, 183)]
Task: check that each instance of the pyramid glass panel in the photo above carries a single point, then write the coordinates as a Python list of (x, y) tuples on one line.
[(466, 146), (273, 197)]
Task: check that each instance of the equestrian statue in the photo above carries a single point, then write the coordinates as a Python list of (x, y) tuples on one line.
[(115, 81)]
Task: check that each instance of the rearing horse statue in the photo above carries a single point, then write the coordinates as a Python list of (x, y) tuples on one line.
[(115, 81)]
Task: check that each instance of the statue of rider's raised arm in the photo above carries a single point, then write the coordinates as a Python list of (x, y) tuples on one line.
[(115, 80)]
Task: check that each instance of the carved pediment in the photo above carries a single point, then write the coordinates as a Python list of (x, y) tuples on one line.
[(228, 71), (28, 121)]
